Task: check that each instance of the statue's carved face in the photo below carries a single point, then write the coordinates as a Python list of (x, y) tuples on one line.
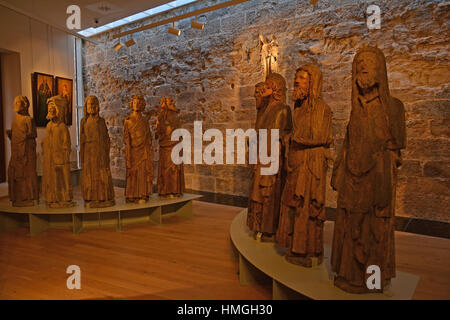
[(92, 106), (276, 88), (366, 70), (53, 111), (170, 103), (301, 85), (19, 105), (137, 104), (262, 91)]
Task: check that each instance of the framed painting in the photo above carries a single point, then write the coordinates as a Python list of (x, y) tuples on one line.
[(64, 87), (43, 88)]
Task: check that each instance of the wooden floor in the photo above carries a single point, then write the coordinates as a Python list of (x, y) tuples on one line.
[(182, 259)]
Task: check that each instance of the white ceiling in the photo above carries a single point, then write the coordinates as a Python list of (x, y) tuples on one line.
[(54, 11)]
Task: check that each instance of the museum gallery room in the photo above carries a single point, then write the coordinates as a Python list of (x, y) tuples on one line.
[(224, 150)]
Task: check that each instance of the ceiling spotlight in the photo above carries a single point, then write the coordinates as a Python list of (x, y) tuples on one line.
[(197, 25), (174, 31), (118, 45), (130, 42)]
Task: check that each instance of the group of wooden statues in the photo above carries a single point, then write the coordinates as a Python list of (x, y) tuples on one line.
[(96, 181), (289, 208)]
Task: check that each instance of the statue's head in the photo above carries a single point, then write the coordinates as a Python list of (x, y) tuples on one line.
[(21, 105), (307, 84), (91, 105), (170, 103), (369, 69), (57, 106), (262, 92), (301, 85), (138, 103), (277, 85)]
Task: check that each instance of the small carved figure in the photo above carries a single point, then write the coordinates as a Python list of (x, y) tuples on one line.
[(365, 175), (56, 178), (22, 177), (303, 200), (170, 175), (265, 190), (96, 180), (138, 149)]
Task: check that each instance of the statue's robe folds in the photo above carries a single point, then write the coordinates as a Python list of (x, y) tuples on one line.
[(303, 200), (170, 176), (139, 158), (96, 180), (365, 175), (265, 190), (22, 176), (56, 178)]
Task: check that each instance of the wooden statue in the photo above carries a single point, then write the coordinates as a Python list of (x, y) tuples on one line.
[(22, 177), (56, 178), (96, 180), (170, 176), (365, 175), (262, 94), (265, 190), (139, 158), (303, 200)]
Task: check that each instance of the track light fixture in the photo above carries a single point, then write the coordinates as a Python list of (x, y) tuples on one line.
[(174, 31), (197, 25), (118, 45), (130, 42)]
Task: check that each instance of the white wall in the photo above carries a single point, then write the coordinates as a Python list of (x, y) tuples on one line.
[(36, 47)]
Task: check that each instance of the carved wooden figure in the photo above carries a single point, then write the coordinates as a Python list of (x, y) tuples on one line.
[(365, 175), (170, 176), (262, 94), (138, 149), (303, 200), (22, 177), (56, 178), (265, 190), (96, 181)]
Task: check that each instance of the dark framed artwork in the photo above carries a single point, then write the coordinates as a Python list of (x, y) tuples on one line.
[(43, 89), (64, 87)]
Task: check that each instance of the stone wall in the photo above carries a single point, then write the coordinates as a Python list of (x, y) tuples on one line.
[(212, 73)]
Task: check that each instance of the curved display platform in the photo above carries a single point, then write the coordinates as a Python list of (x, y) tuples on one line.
[(262, 261), (40, 218)]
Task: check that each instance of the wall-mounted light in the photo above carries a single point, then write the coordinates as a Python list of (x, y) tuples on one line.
[(197, 25), (174, 31), (130, 42), (118, 45)]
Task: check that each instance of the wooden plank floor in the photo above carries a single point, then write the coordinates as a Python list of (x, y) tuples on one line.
[(182, 259)]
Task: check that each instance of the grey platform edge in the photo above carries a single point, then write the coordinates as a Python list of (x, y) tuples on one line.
[(263, 263), (40, 218)]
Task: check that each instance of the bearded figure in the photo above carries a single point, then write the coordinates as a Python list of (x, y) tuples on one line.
[(22, 177), (56, 178), (262, 94), (365, 175), (170, 175), (265, 190), (303, 199)]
